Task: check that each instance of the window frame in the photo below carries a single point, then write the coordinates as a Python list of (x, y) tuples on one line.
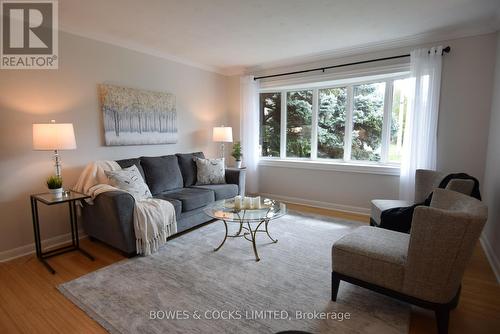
[(384, 166)]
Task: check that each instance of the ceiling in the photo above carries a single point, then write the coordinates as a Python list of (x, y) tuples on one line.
[(229, 36)]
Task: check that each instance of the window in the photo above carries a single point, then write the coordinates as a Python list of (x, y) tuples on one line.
[(400, 104), (367, 118), (270, 124), (331, 122), (298, 124), (360, 121)]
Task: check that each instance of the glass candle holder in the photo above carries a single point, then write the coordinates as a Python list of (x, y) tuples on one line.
[(237, 202), (247, 202), (256, 202)]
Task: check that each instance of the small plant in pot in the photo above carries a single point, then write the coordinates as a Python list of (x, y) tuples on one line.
[(236, 154), (54, 183)]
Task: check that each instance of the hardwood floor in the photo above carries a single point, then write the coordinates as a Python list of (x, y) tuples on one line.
[(30, 302)]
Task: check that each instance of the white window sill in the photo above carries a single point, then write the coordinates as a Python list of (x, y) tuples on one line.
[(366, 168)]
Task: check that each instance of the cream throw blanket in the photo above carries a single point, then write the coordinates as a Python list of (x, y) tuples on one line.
[(154, 219)]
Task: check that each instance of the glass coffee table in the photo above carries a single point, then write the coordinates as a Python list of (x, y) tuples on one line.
[(250, 220)]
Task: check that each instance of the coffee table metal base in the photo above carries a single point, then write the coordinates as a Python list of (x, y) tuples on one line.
[(248, 233)]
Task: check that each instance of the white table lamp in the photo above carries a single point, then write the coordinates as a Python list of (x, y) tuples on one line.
[(222, 134), (54, 137)]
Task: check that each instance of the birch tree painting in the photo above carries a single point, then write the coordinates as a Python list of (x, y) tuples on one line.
[(138, 117)]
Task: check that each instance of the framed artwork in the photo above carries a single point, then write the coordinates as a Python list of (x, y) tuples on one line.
[(138, 117)]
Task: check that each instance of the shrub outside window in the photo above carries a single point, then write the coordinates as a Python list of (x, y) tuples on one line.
[(359, 122)]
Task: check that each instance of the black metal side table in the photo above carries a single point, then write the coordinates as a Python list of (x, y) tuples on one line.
[(46, 198)]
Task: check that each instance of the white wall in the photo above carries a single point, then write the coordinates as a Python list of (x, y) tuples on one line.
[(233, 106), (70, 95), (464, 114), (465, 105), (491, 233)]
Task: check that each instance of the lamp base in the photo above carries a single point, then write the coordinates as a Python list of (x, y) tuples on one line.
[(57, 163), (222, 150)]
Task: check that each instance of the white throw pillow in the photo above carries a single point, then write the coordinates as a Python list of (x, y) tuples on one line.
[(130, 180), (210, 171)]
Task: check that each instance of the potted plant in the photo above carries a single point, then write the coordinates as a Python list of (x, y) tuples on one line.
[(54, 183), (236, 154)]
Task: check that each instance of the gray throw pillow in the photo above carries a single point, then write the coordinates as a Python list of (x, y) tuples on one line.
[(188, 166), (130, 180), (162, 173), (210, 171)]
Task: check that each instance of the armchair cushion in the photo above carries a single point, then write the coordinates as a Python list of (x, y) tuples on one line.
[(374, 255), (463, 186), (379, 205)]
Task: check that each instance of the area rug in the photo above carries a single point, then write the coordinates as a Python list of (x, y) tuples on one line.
[(189, 288)]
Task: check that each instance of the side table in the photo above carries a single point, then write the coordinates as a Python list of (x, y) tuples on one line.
[(49, 199)]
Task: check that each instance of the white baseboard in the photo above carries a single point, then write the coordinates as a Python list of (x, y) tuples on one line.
[(30, 249), (491, 256), (319, 204)]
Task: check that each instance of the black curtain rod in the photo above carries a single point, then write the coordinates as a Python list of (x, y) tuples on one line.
[(445, 50)]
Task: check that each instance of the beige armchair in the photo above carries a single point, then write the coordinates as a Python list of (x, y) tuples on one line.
[(425, 181), (425, 267)]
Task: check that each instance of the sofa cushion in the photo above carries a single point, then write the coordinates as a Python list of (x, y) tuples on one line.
[(162, 173), (210, 171), (373, 255), (380, 205), (188, 166), (191, 198), (176, 203), (124, 163), (222, 191)]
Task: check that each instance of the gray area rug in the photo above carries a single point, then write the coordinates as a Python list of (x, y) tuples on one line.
[(188, 288)]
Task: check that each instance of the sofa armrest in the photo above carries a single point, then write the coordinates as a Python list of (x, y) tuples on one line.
[(111, 220), (236, 176)]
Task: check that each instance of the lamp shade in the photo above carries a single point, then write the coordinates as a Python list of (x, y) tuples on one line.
[(223, 134), (53, 136)]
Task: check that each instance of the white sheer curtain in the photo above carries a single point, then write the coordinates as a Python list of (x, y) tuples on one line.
[(420, 138), (249, 125)]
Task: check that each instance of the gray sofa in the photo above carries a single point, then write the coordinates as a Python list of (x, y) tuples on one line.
[(171, 178)]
